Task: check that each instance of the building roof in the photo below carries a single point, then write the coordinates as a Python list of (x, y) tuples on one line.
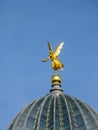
[(56, 111)]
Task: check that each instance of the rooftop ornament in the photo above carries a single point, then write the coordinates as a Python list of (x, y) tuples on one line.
[(55, 62)]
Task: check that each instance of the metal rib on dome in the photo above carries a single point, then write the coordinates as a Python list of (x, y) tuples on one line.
[(56, 111)]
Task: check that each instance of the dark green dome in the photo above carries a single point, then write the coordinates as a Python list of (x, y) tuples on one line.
[(56, 111)]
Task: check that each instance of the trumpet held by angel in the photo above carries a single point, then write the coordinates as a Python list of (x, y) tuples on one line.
[(53, 56)]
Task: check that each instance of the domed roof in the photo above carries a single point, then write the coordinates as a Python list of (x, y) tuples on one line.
[(56, 111)]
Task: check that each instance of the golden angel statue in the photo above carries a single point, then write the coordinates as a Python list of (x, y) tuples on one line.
[(53, 56)]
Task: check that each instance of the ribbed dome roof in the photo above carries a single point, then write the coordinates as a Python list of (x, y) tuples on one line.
[(56, 111)]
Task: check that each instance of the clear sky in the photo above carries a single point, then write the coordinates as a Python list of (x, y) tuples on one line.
[(25, 28)]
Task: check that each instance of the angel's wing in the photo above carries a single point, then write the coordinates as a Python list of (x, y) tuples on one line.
[(57, 50), (50, 49)]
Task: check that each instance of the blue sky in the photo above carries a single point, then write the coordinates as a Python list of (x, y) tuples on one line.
[(25, 28)]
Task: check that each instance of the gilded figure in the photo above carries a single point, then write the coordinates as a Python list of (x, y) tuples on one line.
[(53, 56)]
